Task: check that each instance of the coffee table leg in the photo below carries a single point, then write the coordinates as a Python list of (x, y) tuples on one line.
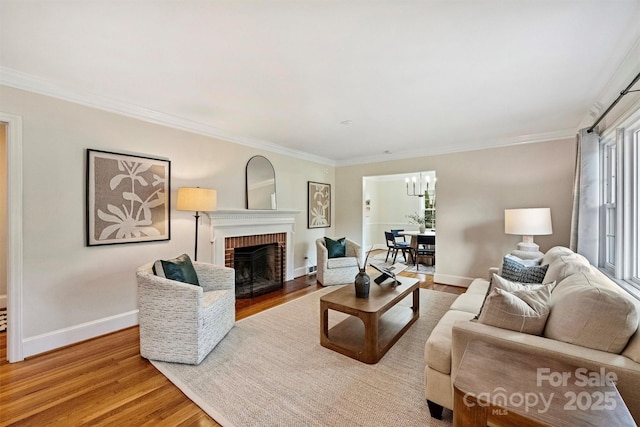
[(324, 323), (371, 350), (416, 302)]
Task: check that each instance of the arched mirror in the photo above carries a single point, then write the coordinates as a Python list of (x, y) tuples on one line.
[(261, 184)]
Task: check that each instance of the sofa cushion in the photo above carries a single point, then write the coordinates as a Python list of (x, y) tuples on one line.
[(469, 302), (566, 265), (553, 253), (587, 310), (336, 248), (179, 269), (437, 351), (525, 310), (342, 262), (515, 271)]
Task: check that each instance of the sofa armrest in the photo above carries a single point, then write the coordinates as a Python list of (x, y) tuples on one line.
[(492, 271), (626, 370)]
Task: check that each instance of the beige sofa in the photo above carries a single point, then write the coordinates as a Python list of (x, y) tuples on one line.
[(592, 323)]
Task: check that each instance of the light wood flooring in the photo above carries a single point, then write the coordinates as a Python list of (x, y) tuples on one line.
[(105, 382)]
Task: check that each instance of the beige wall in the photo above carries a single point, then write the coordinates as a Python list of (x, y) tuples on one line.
[(474, 188), (67, 283)]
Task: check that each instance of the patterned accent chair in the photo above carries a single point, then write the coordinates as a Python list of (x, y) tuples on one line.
[(180, 322), (337, 271)]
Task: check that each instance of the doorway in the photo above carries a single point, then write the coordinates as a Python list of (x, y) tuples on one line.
[(12, 165), (389, 200), (3, 227)]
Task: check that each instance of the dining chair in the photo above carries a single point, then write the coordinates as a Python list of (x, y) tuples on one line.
[(393, 246), (396, 233), (426, 246)]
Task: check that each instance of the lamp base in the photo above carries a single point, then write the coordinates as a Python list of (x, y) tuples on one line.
[(527, 249)]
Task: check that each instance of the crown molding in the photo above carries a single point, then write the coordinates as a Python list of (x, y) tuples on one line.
[(20, 80), (624, 73), (476, 144)]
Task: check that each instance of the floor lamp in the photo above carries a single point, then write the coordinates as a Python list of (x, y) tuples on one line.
[(528, 223), (199, 200)]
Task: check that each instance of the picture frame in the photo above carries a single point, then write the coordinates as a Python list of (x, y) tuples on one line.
[(127, 198), (318, 205)]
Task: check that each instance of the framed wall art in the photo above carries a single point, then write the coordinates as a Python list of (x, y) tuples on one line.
[(127, 198), (319, 205)]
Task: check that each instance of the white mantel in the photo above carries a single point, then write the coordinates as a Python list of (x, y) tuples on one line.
[(246, 222)]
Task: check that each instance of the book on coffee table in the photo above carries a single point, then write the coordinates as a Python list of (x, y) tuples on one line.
[(388, 272)]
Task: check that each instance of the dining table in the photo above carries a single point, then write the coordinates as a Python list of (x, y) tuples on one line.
[(414, 239)]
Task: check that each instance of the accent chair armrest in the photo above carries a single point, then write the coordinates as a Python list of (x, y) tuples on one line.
[(214, 277)]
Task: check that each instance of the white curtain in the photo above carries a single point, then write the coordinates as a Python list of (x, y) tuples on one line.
[(586, 197)]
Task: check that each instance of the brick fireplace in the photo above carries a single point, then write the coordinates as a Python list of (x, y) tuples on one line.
[(279, 240), (231, 229)]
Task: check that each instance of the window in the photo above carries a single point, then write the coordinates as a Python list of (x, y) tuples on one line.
[(620, 203), (610, 168)]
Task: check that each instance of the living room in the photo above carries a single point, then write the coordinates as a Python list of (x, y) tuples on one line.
[(68, 292)]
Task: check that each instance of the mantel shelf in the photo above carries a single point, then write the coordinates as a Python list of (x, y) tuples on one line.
[(253, 212)]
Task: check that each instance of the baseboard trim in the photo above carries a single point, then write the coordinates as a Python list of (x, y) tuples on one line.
[(3, 301), (299, 272), (74, 334), (446, 279)]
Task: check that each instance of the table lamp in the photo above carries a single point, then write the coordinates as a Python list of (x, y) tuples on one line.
[(199, 200), (528, 223)]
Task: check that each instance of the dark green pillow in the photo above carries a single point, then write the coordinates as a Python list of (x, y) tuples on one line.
[(336, 248), (179, 269)]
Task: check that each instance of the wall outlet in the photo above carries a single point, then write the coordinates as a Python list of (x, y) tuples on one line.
[(312, 269)]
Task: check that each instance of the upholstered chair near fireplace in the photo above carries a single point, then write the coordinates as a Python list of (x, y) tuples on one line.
[(337, 261), (182, 322)]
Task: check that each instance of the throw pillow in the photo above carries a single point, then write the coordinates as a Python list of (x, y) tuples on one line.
[(498, 282), (524, 311), (517, 272), (336, 248), (179, 269)]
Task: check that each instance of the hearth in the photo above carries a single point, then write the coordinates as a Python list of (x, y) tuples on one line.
[(259, 269)]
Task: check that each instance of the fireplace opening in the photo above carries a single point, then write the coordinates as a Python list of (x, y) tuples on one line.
[(259, 269)]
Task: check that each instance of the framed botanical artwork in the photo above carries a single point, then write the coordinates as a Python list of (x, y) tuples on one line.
[(319, 205), (127, 198)]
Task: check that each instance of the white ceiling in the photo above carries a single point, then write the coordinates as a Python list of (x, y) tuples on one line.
[(412, 77)]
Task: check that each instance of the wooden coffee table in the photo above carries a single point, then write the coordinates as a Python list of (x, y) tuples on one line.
[(375, 324)]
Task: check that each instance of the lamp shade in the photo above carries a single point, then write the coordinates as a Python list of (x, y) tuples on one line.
[(528, 222), (197, 199)]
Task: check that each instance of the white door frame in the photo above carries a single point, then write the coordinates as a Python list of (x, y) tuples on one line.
[(14, 236)]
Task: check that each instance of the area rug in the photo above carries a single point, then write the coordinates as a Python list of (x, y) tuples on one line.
[(270, 370), (378, 259)]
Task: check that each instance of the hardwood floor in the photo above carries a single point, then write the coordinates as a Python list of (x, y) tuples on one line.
[(105, 382)]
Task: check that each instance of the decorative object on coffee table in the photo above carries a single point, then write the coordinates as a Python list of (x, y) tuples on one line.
[(362, 280), (362, 283)]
